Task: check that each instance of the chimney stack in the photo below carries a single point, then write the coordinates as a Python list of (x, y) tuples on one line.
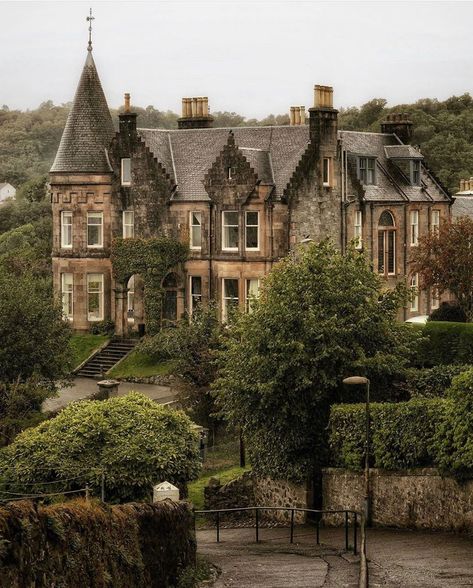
[(195, 113), (297, 115), (127, 119), (323, 96), (323, 119), (399, 124)]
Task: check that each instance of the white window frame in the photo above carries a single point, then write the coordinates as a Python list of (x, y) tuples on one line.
[(247, 212), (95, 214), (124, 181), (192, 296), (358, 229), (248, 293), (95, 278), (227, 300), (435, 220), (414, 285), (67, 295), (414, 224), (193, 244), (435, 299), (326, 177), (224, 227), (66, 214), (128, 225)]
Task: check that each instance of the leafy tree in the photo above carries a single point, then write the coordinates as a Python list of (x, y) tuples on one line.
[(27, 249), (192, 345), (134, 441), (35, 338), (321, 316), (444, 260), (34, 190)]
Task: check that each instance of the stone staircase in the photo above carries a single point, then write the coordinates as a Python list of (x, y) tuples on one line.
[(105, 359)]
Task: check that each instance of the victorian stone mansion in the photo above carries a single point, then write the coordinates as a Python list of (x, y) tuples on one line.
[(239, 197)]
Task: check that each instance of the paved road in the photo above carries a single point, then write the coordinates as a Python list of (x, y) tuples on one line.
[(85, 387), (397, 559)]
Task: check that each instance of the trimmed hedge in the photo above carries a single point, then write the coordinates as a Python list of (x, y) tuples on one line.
[(446, 343), (89, 544), (432, 382), (402, 434)]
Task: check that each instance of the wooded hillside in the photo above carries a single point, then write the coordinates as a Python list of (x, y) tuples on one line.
[(444, 131)]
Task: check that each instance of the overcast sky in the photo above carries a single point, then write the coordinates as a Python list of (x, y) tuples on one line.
[(254, 57)]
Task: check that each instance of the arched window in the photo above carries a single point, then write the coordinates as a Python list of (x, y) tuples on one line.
[(386, 244)]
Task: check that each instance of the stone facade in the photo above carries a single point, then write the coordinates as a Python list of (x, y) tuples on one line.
[(247, 195), (419, 499)]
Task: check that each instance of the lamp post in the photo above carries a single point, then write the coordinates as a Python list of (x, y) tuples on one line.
[(358, 381)]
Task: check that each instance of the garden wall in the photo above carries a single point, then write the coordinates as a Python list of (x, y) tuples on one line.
[(420, 498), (82, 543)]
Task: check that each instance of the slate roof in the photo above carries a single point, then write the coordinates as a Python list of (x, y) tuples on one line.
[(402, 152), (89, 128), (187, 154), (463, 205), (391, 183)]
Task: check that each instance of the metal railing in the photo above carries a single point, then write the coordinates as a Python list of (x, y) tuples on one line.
[(354, 515)]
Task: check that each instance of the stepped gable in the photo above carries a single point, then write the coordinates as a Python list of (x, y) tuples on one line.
[(187, 155), (391, 184), (89, 128)]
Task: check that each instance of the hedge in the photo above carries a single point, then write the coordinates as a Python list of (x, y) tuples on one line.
[(432, 382), (402, 434), (446, 343), (89, 544)]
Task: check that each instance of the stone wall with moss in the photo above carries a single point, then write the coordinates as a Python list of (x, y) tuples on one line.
[(81, 543)]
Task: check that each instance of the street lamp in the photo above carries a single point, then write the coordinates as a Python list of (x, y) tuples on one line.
[(360, 381)]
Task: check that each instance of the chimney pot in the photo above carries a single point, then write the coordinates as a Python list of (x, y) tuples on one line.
[(297, 116), (462, 185), (205, 106), (127, 102), (292, 116), (323, 96), (302, 111)]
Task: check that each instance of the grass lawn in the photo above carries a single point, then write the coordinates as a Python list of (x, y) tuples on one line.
[(139, 365), (84, 345), (196, 488)]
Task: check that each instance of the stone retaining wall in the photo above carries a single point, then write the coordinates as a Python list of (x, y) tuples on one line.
[(420, 499), (249, 490)]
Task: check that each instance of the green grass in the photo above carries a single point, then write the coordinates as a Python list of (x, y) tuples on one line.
[(196, 488), (84, 345), (139, 365)]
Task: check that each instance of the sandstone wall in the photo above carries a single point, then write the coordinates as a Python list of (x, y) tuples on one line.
[(420, 499)]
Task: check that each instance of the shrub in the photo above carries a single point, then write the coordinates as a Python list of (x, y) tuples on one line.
[(432, 382), (448, 311), (133, 440), (445, 343), (106, 327), (402, 434), (454, 438)]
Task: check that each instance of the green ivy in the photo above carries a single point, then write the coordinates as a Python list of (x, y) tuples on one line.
[(152, 259)]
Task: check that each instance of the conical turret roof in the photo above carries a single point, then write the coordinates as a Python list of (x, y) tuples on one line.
[(89, 128)]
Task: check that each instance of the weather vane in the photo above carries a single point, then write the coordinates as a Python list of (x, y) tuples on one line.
[(90, 18)]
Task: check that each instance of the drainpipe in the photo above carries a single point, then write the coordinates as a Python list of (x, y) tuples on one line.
[(372, 234), (210, 246), (405, 255)]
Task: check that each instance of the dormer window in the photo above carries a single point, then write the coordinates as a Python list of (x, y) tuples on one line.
[(366, 170), (415, 172), (126, 171)]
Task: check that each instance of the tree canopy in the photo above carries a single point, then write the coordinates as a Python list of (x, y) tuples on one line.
[(444, 261), (321, 316), (133, 440)]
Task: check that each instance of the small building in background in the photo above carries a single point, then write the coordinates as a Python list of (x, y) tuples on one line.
[(7, 192), (463, 205)]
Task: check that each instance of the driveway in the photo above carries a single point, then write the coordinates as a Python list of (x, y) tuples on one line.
[(84, 387)]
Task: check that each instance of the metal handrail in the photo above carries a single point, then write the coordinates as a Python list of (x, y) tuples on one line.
[(355, 514)]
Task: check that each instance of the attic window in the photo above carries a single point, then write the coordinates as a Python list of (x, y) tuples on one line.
[(366, 170), (126, 171), (415, 172)]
